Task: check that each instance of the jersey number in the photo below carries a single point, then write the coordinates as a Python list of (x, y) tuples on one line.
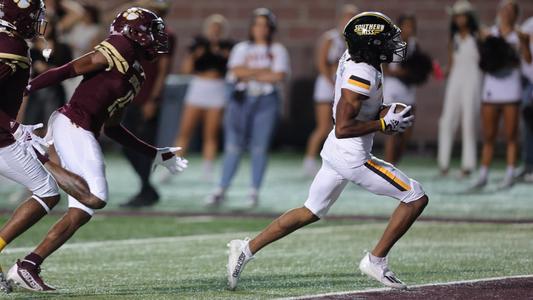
[(123, 101)]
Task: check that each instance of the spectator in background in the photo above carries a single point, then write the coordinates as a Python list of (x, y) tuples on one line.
[(400, 81), (44, 102), (256, 67), (502, 89), (67, 13), (84, 35), (141, 117), (330, 50), (206, 94), (463, 90), (527, 103)]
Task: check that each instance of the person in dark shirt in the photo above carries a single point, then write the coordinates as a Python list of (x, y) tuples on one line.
[(206, 95), (142, 117), (112, 77), (44, 102)]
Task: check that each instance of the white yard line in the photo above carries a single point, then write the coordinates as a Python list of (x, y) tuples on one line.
[(410, 287), (145, 241)]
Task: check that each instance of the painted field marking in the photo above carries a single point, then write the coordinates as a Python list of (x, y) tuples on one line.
[(144, 241), (409, 287)]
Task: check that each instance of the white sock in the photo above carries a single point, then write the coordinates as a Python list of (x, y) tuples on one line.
[(220, 191), (377, 259), (207, 166), (254, 192), (483, 173), (509, 172), (247, 251)]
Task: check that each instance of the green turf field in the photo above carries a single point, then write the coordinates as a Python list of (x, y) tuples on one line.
[(171, 258)]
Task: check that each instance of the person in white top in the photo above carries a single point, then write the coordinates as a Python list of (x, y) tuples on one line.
[(502, 92), (255, 69), (463, 90), (372, 39), (330, 49)]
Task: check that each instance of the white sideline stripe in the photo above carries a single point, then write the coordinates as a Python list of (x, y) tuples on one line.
[(408, 287), (143, 241)]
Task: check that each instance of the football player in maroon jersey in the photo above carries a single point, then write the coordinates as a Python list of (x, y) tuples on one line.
[(20, 156), (112, 76)]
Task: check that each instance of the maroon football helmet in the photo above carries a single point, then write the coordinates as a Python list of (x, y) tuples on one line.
[(144, 28), (26, 17)]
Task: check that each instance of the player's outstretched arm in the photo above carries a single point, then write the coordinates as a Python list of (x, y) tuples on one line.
[(346, 126), (90, 62), (162, 156), (117, 132)]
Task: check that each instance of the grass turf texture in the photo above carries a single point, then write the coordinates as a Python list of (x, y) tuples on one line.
[(285, 187), (172, 258)]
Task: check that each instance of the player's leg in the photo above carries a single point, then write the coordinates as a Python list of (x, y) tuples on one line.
[(80, 153), (490, 119), (212, 122), (263, 124), (382, 178), (319, 134), (20, 167), (511, 118), (324, 191)]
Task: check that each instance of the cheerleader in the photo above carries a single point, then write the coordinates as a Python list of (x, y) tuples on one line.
[(501, 52), (206, 94), (330, 49)]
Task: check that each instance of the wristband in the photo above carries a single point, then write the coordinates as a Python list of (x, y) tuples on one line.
[(382, 123)]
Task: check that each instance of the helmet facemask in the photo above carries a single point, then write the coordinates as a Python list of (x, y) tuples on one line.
[(395, 48), (40, 23), (159, 40), (160, 37)]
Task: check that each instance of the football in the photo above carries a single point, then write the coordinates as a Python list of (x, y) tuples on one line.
[(399, 107)]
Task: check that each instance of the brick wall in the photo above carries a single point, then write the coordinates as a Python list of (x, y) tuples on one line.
[(302, 21)]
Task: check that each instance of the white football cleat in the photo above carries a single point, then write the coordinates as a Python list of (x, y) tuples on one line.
[(380, 272), (237, 259)]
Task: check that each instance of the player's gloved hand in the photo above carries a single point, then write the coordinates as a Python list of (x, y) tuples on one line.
[(167, 158), (29, 140), (397, 122)]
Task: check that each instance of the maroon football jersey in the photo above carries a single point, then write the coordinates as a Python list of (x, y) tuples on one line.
[(15, 66), (102, 94)]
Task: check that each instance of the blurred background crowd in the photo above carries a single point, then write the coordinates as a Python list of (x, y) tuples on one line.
[(250, 77)]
